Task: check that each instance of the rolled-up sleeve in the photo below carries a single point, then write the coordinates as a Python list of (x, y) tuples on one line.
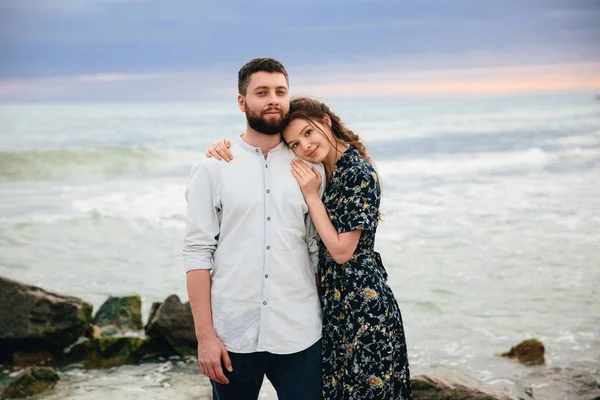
[(312, 237), (202, 220)]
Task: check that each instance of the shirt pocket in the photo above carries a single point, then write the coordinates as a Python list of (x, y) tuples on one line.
[(295, 209)]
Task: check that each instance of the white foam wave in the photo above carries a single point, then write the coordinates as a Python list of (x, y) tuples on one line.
[(481, 162), (154, 202), (161, 203)]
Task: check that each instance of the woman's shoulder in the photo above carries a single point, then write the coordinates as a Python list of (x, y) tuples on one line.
[(357, 168)]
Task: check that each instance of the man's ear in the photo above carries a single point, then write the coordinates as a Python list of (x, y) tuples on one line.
[(242, 103)]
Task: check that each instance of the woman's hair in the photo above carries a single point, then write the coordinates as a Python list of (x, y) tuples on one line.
[(311, 109)]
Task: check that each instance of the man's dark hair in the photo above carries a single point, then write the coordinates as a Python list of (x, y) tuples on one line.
[(257, 65)]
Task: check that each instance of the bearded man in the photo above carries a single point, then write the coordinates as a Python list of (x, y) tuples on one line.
[(250, 255)]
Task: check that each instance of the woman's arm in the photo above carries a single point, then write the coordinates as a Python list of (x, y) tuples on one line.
[(220, 150), (341, 246)]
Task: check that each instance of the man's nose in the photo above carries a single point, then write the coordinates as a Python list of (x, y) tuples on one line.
[(273, 99)]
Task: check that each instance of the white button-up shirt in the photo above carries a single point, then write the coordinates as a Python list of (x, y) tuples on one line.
[(248, 222)]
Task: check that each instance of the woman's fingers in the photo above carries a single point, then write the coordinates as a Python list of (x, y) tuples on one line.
[(212, 152), (296, 168), (297, 176), (223, 152), (301, 168), (317, 174), (220, 150)]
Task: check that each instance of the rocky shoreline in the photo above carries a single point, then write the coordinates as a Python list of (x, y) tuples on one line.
[(40, 331)]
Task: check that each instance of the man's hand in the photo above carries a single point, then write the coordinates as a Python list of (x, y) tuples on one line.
[(210, 352)]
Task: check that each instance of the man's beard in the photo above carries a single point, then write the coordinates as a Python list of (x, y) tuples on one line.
[(264, 126)]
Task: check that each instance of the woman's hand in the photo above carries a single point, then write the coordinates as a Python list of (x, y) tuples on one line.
[(308, 178), (220, 150)]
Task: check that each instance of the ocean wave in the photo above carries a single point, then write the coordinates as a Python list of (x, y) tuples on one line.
[(467, 164), (36, 165), (139, 203)]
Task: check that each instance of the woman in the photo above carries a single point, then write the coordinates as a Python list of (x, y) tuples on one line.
[(364, 349)]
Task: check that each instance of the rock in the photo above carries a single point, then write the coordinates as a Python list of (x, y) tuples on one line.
[(528, 352), (22, 359), (446, 387), (173, 323), (31, 381), (95, 332), (108, 352), (155, 306), (559, 384), (32, 319), (120, 314)]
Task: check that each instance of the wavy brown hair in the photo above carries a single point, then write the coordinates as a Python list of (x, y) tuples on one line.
[(314, 110)]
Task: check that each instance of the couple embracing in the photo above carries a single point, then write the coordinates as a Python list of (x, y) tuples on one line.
[(282, 275)]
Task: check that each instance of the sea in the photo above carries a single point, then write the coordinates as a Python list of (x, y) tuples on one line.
[(490, 234)]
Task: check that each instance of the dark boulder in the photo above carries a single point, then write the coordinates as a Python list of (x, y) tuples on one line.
[(172, 322), (33, 320), (31, 381)]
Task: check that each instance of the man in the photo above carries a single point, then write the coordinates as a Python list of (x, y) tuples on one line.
[(250, 255)]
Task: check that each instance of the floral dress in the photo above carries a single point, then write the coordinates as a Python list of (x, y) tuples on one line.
[(364, 350)]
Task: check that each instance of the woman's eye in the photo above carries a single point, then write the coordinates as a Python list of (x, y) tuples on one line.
[(308, 132), (294, 145)]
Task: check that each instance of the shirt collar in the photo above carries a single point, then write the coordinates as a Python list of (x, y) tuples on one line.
[(253, 149)]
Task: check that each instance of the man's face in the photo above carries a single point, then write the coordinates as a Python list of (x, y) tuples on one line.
[(266, 103)]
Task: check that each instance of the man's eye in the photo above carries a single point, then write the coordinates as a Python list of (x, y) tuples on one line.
[(260, 93)]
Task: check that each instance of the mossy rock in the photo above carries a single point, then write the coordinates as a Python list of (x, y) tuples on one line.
[(31, 381), (34, 320), (528, 352), (108, 352), (448, 387), (122, 313), (27, 359)]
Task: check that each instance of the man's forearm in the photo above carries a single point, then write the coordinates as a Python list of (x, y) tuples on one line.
[(198, 287)]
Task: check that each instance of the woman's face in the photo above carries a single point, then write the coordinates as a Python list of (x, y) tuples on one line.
[(308, 139)]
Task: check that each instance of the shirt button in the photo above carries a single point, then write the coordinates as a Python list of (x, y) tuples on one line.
[(268, 218), (266, 276), (264, 303), (266, 165), (257, 150), (268, 191), (268, 247)]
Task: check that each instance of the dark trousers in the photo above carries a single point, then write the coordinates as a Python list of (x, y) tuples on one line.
[(294, 376)]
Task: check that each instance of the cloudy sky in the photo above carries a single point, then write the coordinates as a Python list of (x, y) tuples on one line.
[(179, 50)]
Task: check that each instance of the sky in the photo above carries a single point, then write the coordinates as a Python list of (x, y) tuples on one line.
[(184, 50)]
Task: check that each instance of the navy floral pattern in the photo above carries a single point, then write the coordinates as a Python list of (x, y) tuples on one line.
[(364, 349)]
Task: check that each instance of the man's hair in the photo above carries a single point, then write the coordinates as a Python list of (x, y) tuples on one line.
[(257, 65)]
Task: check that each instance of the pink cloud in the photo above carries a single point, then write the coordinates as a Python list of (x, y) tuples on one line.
[(121, 77), (389, 80), (489, 81)]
